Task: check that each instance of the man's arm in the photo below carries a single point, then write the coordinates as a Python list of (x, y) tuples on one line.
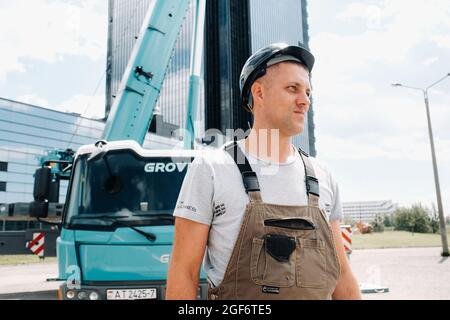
[(347, 287), (186, 259)]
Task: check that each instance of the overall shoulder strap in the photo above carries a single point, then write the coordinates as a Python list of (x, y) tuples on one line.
[(249, 177), (312, 183)]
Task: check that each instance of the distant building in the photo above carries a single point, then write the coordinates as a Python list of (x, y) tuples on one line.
[(366, 211)]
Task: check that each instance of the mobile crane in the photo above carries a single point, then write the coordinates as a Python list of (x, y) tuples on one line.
[(117, 224)]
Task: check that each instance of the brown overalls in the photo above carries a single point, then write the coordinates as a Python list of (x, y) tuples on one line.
[(281, 252)]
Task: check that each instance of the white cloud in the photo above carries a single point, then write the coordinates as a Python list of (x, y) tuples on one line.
[(372, 14), (443, 41), (34, 100), (47, 30), (399, 27), (87, 106), (430, 61), (378, 126)]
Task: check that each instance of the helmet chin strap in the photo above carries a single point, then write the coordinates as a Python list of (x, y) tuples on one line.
[(250, 103)]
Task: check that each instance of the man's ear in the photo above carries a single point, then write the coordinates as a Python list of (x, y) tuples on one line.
[(257, 91)]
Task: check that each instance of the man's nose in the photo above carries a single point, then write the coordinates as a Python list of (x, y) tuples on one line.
[(303, 100)]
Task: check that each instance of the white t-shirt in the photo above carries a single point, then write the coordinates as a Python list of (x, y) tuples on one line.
[(213, 194)]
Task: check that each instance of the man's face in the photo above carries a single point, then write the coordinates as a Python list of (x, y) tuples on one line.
[(283, 100)]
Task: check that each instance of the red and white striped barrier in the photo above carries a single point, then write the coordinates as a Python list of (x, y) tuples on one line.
[(346, 232), (37, 244)]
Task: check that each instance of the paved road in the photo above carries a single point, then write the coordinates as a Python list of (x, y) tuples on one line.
[(26, 282), (410, 273)]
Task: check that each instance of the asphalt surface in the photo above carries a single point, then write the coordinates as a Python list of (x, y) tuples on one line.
[(28, 282), (408, 274)]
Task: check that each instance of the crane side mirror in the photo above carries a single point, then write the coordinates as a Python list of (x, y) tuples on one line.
[(39, 209), (41, 192), (42, 182)]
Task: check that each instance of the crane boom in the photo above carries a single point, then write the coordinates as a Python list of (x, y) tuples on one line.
[(132, 111)]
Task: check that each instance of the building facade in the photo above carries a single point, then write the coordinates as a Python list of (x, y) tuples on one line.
[(367, 211), (125, 22), (27, 132), (234, 30), (283, 21)]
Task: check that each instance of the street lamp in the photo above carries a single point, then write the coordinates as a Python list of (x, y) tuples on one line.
[(445, 251)]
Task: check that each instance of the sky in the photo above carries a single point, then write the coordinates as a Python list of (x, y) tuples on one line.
[(53, 53), (373, 136)]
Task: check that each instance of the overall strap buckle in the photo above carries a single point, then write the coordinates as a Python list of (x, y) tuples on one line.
[(249, 178), (250, 181), (312, 185)]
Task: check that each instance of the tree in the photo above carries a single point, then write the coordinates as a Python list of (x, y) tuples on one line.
[(434, 219), (414, 219), (402, 219), (421, 220), (387, 220), (377, 224)]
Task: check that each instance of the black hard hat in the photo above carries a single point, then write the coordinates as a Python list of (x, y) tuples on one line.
[(256, 65)]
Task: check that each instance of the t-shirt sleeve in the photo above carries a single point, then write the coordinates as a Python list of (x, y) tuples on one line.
[(336, 213), (196, 194)]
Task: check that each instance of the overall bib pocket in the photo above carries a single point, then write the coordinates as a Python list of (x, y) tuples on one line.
[(292, 223), (311, 263), (273, 260)]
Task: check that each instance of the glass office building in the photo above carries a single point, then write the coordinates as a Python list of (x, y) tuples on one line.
[(283, 21), (234, 30), (27, 132), (125, 22)]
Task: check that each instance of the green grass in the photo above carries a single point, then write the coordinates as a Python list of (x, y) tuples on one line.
[(23, 259), (397, 239)]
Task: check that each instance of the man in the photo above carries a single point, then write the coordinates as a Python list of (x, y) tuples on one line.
[(267, 214)]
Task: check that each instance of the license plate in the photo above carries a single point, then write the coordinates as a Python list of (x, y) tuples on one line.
[(131, 294)]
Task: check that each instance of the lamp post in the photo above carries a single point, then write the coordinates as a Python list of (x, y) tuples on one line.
[(445, 251)]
